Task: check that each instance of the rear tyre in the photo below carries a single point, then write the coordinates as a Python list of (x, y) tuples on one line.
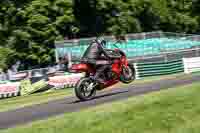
[(84, 90), (128, 74)]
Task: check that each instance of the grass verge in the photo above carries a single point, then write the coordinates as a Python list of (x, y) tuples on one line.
[(153, 79), (23, 101), (169, 111), (37, 98)]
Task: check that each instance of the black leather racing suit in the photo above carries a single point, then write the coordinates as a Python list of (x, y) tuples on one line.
[(94, 55)]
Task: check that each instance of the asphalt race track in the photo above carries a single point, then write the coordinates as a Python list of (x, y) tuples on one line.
[(70, 104)]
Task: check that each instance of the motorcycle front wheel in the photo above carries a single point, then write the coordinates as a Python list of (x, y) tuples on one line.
[(128, 74), (85, 89)]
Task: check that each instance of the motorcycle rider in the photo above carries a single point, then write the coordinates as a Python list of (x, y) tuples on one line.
[(97, 55)]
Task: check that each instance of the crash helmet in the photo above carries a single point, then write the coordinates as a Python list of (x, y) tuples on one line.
[(101, 41)]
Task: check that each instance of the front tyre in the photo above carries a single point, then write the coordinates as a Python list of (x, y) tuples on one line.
[(128, 74), (85, 89)]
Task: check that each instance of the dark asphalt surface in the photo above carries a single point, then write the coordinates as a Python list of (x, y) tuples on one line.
[(70, 104)]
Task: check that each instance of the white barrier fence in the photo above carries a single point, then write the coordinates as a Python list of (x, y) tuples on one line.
[(13, 89), (9, 90), (65, 81), (191, 64)]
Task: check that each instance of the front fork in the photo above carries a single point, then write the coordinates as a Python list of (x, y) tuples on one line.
[(94, 83)]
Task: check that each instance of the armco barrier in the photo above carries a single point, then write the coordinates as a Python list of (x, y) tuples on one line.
[(9, 90), (158, 68), (64, 81), (191, 64), (142, 70)]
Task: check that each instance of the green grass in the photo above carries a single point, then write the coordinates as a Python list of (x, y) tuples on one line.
[(23, 101), (155, 78), (169, 111), (37, 98)]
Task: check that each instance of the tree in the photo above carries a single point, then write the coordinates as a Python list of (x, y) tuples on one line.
[(31, 28)]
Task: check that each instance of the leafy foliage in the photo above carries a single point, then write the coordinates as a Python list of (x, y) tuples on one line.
[(6, 56), (30, 27)]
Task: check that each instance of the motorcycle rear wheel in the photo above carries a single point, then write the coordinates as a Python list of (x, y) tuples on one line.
[(82, 90)]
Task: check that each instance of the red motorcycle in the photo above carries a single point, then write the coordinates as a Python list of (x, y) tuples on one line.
[(121, 70)]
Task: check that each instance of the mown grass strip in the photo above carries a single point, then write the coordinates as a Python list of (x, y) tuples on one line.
[(169, 111), (23, 101), (39, 98)]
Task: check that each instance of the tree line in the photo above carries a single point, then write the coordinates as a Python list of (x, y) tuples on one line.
[(29, 28)]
